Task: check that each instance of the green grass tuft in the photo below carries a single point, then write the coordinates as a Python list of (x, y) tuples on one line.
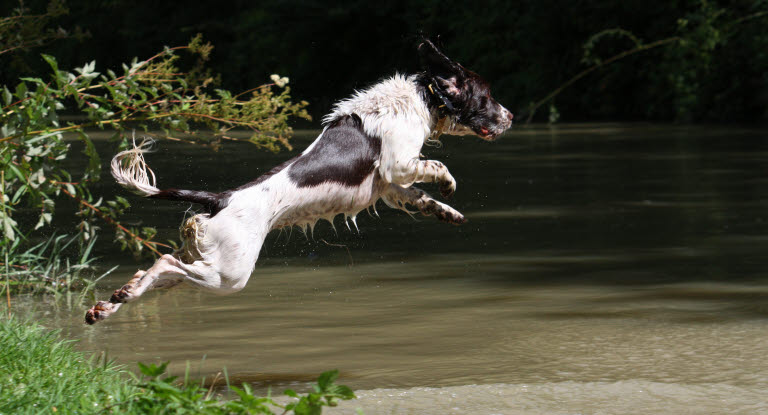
[(42, 374)]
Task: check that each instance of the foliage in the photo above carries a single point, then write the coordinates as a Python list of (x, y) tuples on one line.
[(22, 30), (590, 57), (46, 268), (688, 57), (193, 398), (326, 393), (686, 64), (150, 94), (525, 49), (40, 373)]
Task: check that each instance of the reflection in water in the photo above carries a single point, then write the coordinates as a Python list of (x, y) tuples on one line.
[(605, 268)]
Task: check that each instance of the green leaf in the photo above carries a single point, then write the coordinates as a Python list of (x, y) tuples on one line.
[(93, 170), (123, 201), (21, 90), (44, 218), (21, 190), (7, 96), (152, 370), (344, 392), (327, 378), (33, 80), (51, 61), (8, 225)]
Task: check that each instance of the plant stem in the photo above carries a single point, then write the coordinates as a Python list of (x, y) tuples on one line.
[(7, 284), (148, 244), (7, 271), (121, 120)]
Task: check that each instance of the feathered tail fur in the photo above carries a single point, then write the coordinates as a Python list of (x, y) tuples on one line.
[(131, 171)]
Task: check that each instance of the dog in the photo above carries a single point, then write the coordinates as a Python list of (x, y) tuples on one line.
[(369, 149)]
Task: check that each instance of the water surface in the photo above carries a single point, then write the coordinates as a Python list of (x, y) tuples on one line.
[(607, 268)]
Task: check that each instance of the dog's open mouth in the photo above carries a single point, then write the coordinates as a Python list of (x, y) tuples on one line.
[(486, 134)]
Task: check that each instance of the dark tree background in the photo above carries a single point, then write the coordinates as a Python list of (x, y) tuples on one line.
[(525, 48)]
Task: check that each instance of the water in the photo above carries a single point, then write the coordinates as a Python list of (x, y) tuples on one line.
[(605, 268)]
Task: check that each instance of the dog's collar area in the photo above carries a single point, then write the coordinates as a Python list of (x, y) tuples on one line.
[(446, 105), (439, 129)]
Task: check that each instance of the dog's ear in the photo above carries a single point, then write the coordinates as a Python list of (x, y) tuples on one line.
[(445, 71), (451, 86)]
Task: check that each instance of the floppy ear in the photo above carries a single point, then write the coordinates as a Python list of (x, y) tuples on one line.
[(447, 73), (451, 86)]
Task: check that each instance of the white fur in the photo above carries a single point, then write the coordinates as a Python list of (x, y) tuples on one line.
[(135, 175), (394, 111)]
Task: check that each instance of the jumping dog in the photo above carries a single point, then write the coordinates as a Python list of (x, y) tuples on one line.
[(368, 150)]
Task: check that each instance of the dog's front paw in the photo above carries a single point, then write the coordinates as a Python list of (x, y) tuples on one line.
[(444, 213), (450, 216), (448, 187)]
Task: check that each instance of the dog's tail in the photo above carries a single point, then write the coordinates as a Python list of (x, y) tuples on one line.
[(131, 171)]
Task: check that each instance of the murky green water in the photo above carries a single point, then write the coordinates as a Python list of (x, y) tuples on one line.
[(605, 269)]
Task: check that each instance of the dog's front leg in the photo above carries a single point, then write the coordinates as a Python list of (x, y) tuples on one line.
[(400, 162), (433, 171), (397, 196), (426, 171)]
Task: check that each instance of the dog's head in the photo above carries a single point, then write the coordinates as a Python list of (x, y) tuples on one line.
[(463, 94)]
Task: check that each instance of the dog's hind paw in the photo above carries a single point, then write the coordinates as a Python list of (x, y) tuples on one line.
[(122, 295), (127, 293), (100, 311)]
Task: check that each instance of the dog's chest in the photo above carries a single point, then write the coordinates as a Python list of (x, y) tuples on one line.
[(306, 205)]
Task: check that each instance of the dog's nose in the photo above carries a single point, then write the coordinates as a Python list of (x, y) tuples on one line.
[(510, 116)]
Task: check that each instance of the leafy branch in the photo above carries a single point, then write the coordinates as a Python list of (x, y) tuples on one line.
[(600, 63), (149, 244), (689, 53), (152, 94), (22, 30)]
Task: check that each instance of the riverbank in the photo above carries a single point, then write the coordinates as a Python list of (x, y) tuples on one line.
[(41, 374)]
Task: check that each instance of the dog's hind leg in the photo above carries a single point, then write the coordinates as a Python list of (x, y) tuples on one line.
[(166, 271), (397, 197), (165, 268), (169, 271)]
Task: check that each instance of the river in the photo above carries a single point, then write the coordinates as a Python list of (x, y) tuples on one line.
[(605, 269)]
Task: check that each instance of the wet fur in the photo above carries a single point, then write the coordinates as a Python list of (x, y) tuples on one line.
[(368, 150)]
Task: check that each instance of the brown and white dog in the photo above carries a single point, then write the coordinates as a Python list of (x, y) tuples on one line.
[(368, 150)]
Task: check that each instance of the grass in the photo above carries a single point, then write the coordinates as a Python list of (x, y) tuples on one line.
[(45, 268), (40, 373)]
